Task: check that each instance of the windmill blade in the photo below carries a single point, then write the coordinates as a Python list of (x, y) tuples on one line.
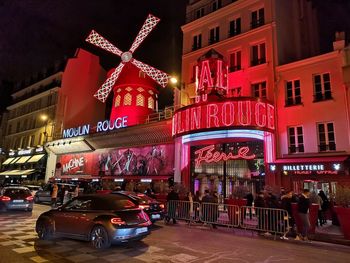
[(147, 27), (106, 87), (99, 41), (159, 76)]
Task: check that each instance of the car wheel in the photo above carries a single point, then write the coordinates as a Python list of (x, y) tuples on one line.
[(99, 238), (44, 231)]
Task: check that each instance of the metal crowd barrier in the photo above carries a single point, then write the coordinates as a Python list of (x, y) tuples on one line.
[(271, 220)]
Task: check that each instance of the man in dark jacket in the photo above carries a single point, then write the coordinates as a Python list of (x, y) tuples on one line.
[(172, 197), (303, 211), (210, 208)]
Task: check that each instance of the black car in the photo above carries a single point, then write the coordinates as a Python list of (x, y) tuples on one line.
[(16, 198), (100, 219), (153, 208)]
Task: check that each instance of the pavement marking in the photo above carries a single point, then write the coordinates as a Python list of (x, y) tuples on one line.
[(183, 258), (24, 250), (38, 259)]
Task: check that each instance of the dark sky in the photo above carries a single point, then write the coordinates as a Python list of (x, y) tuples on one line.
[(34, 34)]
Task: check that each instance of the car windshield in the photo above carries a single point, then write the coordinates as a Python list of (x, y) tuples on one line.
[(16, 192)]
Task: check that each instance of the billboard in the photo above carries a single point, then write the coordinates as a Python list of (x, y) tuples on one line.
[(143, 161)]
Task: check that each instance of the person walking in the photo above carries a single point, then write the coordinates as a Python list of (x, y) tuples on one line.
[(260, 204), (286, 204), (54, 195), (76, 191), (209, 208), (303, 212)]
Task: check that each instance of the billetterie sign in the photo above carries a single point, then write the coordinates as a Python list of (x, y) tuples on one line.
[(101, 126), (224, 114)]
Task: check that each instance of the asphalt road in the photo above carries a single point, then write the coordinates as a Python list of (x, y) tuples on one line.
[(167, 243)]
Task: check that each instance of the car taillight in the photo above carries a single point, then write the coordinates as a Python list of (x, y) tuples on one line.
[(5, 198), (29, 198), (117, 221), (145, 217), (144, 206), (161, 206)]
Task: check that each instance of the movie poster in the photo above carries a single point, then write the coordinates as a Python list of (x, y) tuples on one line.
[(142, 161)]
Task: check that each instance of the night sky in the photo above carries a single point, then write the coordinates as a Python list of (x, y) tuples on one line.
[(35, 34)]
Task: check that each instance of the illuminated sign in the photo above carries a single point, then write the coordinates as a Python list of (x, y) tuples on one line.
[(73, 164), (25, 152), (307, 169), (208, 155), (102, 126), (303, 167), (224, 114)]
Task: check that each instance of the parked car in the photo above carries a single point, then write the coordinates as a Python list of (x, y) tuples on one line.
[(16, 198), (100, 219), (33, 188), (153, 208), (44, 195)]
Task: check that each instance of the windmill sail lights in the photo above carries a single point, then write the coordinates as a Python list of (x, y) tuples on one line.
[(159, 76)]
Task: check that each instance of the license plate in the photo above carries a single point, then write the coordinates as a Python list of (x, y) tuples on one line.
[(141, 230), (156, 216), (18, 201)]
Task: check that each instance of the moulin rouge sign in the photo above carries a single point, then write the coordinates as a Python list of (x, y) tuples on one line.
[(209, 155), (224, 114)]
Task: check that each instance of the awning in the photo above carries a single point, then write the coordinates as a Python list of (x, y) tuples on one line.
[(69, 145), (35, 158), (18, 172), (323, 159), (8, 160), (22, 159)]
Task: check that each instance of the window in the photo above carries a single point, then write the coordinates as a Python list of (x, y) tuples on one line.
[(18, 126), (199, 12), (31, 141), (127, 99), (259, 89), (258, 54), (117, 101), (234, 92), (140, 100), (326, 137), (214, 35), (235, 61), (295, 139), (235, 27), (293, 96), (258, 18), (197, 42), (9, 129), (322, 87), (49, 100), (216, 5), (150, 103), (79, 204)]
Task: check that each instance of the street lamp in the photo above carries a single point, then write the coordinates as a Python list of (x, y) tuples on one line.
[(177, 92), (45, 118)]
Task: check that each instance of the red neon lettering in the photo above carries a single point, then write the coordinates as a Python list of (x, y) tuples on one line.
[(180, 129), (173, 130), (244, 115), (260, 110), (187, 127), (196, 118), (205, 79), (212, 111), (219, 74), (206, 154), (270, 116), (228, 112)]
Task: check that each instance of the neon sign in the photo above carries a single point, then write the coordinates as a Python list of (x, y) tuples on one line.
[(229, 113), (304, 167), (207, 154), (102, 126), (74, 163)]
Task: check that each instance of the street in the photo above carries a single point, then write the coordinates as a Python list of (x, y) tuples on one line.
[(167, 243)]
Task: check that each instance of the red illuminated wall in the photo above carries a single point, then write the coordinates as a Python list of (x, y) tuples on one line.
[(82, 77), (143, 161)]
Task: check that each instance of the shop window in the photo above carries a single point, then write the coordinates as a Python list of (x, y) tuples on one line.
[(293, 95), (258, 54), (322, 87), (214, 35), (235, 61), (258, 18), (235, 27), (295, 139), (259, 89), (197, 42), (127, 99), (326, 137), (140, 100), (117, 101), (150, 103)]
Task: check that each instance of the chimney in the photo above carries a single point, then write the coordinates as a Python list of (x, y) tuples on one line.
[(339, 42)]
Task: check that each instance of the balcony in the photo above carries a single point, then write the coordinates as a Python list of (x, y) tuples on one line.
[(296, 149), (257, 23), (257, 62)]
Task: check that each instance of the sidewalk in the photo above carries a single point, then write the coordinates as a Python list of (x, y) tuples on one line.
[(331, 234)]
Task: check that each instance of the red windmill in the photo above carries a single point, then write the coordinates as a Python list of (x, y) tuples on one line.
[(133, 67)]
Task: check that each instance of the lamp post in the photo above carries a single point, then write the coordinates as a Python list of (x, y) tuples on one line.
[(45, 118), (177, 92)]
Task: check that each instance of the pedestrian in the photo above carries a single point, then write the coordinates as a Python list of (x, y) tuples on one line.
[(303, 212), (325, 206), (76, 191), (188, 207), (172, 200), (54, 195), (210, 208), (286, 204)]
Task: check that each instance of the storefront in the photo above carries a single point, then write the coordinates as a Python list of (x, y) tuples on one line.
[(313, 173)]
